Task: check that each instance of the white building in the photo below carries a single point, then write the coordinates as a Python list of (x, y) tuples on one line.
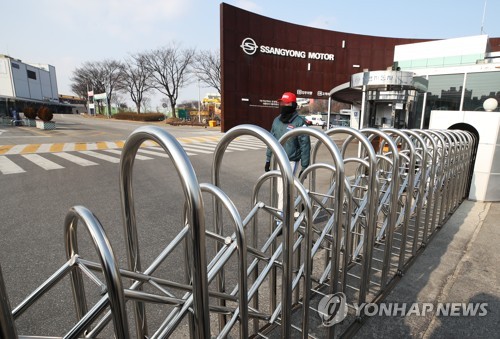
[(458, 77), (21, 83), (463, 74)]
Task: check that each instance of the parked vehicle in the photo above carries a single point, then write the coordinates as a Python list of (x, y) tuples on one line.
[(315, 120)]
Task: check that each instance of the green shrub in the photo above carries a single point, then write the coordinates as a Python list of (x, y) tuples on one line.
[(44, 114), (139, 117), (30, 113)]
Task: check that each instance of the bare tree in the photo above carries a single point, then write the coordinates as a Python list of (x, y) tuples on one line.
[(146, 104), (169, 68), (207, 68), (101, 77), (137, 79), (87, 78), (79, 84), (191, 104), (120, 102), (112, 73)]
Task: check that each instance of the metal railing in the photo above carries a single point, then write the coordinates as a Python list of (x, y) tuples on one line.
[(337, 232)]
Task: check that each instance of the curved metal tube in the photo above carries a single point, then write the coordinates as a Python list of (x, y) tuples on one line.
[(242, 253), (372, 200), (288, 192), (421, 186), (433, 166), (7, 325), (430, 185), (108, 263), (440, 177), (308, 241), (394, 198), (450, 169), (455, 169), (411, 180), (194, 201), (335, 276)]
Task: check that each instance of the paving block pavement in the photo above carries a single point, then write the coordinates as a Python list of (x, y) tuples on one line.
[(459, 265)]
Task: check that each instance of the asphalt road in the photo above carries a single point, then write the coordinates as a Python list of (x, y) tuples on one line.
[(35, 202), (34, 205), (78, 128)]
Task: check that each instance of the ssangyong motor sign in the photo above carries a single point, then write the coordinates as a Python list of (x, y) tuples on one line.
[(250, 47)]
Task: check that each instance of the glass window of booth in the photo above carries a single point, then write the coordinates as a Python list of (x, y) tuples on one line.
[(478, 88)]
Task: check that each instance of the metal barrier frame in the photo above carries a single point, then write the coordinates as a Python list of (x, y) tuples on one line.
[(377, 221)]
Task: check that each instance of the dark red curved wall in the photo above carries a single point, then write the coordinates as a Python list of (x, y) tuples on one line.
[(260, 79)]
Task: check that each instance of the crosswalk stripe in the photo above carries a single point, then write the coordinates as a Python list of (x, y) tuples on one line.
[(16, 149), (44, 148), (159, 149), (8, 166), (91, 146), (101, 145), (30, 148), (46, 164), (196, 149), (74, 159), (208, 146), (112, 145), (161, 154), (6, 148), (200, 146), (244, 145), (56, 147), (138, 156), (192, 146), (101, 156), (81, 146), (149, 143), (197, 139), (234, 148), (69, 146), (254, 142)]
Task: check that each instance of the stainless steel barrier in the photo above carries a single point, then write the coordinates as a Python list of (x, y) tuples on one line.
[(349, 225)]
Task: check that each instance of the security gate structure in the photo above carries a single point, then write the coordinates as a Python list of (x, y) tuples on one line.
[(339, 233)]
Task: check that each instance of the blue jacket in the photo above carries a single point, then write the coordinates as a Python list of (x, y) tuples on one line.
[(296, 148)]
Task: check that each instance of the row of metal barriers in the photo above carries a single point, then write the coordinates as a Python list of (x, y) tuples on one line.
[(349, 226)]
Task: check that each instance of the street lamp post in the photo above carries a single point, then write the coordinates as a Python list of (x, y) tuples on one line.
[(199, 102)]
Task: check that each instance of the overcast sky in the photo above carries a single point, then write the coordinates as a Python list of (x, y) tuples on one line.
[(66, 33)]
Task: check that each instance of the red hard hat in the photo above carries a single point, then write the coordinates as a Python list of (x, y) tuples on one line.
[(287, 98)]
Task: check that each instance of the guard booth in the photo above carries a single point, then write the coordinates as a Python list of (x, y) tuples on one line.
[(389, 98), (384, 99)]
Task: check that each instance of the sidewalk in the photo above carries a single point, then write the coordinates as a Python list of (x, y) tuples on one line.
[(460, 265)]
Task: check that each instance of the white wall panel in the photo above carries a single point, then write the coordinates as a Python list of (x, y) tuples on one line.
[(20, 79), (485, 185), (6, 88), (34, 84), (45, 84)]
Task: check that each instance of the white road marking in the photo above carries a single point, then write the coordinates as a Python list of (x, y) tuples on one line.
[(7, 166), (161, 154), (16, 149), (42, 162), (74, 159), (138, 156), (101, 156)]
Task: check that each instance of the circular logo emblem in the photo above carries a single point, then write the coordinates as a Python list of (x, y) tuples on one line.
[(332, 308), (249, 46)]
